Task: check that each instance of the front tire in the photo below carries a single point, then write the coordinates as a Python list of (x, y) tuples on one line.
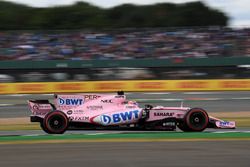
[(195, 120), (55, 122)]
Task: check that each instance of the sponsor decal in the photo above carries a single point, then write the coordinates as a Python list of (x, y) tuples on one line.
[(41, 107), (35, 107), (119, 96), (69, 112), (31, 87), (151, 85), (105, 119), (70, 101), (91, 97), (193, 84), (40, 113), (235, 84), (94, 107), (169, 124), (110, 86), (78, 118), (225, 123), (78, 111), (164, 114), (120, 117), (70, 86), (107, 101), (3, 88)]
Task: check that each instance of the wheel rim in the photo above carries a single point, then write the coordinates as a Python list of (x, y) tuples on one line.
[(57, 122), (198, 120)]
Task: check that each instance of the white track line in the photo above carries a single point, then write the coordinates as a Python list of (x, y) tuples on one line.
[(201, 93), (47, 94), (2, 105), (158, 93), (236, 131), (159, 99), (18, 95), (241, 98)]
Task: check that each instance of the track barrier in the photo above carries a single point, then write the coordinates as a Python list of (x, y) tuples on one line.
[(135, 85)]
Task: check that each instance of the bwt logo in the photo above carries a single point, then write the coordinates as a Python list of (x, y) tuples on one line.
[(105, 119), (120, 117), (70, 101), (224, 123)]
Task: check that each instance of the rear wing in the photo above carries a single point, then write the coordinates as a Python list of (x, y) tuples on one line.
[(40, 107)]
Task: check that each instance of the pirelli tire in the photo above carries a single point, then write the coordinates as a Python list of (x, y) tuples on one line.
[(195, 120), (55, 122), (43, 128)]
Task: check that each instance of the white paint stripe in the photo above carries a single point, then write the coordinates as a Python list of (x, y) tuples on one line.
[(159, 99), (2, 105), (173, 99), (47, 94), (240, 98), (18, 95), (97, 134), (211, 99), (201, 93), (157, 93), (35, 135), (236, 131)]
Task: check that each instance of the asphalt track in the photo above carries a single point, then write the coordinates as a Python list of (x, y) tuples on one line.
[(128, 154), (12, 106)]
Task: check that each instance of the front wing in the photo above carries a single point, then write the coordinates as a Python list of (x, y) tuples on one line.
[(221, 124)]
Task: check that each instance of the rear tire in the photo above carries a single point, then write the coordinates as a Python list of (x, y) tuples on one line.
[(55, 122), (195, 120), (43, 128)]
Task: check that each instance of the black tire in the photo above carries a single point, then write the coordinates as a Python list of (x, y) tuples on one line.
[(195, 120), (55, 122), (43, 128), (182, 126)]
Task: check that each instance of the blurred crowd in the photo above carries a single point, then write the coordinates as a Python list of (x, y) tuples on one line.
[(125, 44)]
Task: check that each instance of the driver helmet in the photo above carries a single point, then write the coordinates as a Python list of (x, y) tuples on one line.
[(132, 102)]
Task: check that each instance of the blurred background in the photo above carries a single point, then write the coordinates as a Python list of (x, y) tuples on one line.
[(93, 40)]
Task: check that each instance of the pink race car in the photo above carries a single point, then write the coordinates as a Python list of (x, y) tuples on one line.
[(112, 111)]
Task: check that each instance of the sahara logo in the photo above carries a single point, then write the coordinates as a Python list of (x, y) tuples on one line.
[(164, 114), (120, 117), (70, 101)]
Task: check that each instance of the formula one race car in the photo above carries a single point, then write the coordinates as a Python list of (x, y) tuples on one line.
[(107, 110)]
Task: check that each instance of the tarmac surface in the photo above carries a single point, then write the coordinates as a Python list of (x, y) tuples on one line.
[(12, 106), (128, 154)]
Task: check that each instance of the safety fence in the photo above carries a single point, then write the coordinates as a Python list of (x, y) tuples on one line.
[(113, 86), (136, 63)]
